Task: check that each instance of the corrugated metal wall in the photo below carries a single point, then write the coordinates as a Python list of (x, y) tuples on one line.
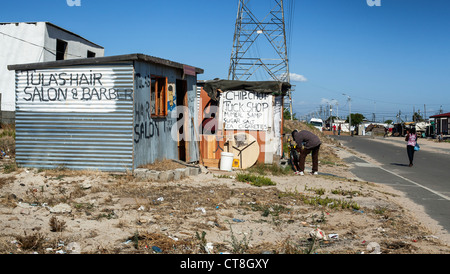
[(75, 117), (152, 138)]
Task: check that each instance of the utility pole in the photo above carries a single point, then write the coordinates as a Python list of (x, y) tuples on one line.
[(337, 109), (246, 62), (425, 112), (331, 116), (349, 113)]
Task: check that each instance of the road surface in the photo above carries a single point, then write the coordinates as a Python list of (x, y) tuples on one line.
[(427, 183)]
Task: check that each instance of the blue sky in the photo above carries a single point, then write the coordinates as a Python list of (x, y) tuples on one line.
[(389, 58)]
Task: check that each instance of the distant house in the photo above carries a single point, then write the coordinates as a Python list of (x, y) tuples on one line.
[(31, 43), (442, 122)]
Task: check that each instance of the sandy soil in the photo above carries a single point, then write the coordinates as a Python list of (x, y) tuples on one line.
[(62, 211)]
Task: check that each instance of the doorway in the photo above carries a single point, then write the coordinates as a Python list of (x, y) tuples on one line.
[(182, 119)]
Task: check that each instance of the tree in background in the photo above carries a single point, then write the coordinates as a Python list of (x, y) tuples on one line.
[(287, 115), (417, 117), (357, 118)]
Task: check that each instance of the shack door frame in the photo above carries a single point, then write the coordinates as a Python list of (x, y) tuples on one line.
[(181, 89)]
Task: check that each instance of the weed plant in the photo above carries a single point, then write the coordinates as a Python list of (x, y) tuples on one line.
[(254, 180)]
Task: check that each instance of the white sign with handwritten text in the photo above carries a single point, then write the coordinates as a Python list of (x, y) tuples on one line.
[(246, 110)]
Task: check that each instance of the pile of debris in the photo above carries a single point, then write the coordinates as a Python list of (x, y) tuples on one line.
[(378, 130)]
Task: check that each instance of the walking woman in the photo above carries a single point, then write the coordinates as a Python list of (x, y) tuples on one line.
[(411, 138)]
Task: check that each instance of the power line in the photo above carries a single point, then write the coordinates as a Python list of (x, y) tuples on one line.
[(338, 93), (39, 46)]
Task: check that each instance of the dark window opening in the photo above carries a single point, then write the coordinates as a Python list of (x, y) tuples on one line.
[(61, 49), (90, 54)]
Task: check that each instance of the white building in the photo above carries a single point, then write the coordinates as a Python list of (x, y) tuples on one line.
[(34, 42)]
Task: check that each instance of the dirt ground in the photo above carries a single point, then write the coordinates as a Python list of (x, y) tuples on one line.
[(63, 211)]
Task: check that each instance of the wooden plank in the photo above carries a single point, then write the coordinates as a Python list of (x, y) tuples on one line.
[(214, 163)]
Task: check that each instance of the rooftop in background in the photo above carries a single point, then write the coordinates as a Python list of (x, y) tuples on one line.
[(53, 25), (441, 115)]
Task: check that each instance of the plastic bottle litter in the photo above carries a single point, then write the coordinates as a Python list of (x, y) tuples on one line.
[(156, 249), (374, 247), (209, 248), (333, 236), (201, 209)]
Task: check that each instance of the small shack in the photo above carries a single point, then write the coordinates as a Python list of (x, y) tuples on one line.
[(442, 123), (243, 119), (113, 113)]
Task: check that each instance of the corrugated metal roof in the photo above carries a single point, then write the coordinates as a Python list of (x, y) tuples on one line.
[(102, 60)]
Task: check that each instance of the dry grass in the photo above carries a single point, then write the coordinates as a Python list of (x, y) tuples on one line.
[(30, 242), (163, 165), (6, 180), (159, 243), (196, 209), (62, 172), (56, 225), (7, 140), (149, 213)]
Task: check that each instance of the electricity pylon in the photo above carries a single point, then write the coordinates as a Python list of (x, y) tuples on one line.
[(248, 60)]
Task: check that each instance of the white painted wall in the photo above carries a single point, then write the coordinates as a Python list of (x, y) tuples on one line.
[(14, 50), (77, 46), (22, 43)]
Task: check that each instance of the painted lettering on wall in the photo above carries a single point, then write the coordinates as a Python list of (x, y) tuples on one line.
[(145, 127), (45, 87), (245, 110)]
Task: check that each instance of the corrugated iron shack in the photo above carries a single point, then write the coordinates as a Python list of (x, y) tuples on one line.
[(244, 118), (112, 113), (442, 123)]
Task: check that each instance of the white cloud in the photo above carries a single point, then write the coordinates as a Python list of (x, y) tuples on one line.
[(294, 77), (297, 77), (325, 101)]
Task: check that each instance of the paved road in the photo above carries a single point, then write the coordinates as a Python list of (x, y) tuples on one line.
[(427, 183)]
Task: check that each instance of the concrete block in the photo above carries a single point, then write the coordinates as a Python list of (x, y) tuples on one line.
[(187, 172), (140, 173), (176, 175), (170, 174), (163, 176), (152, 175), (184, 172), (166, 176), (193, 171)]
